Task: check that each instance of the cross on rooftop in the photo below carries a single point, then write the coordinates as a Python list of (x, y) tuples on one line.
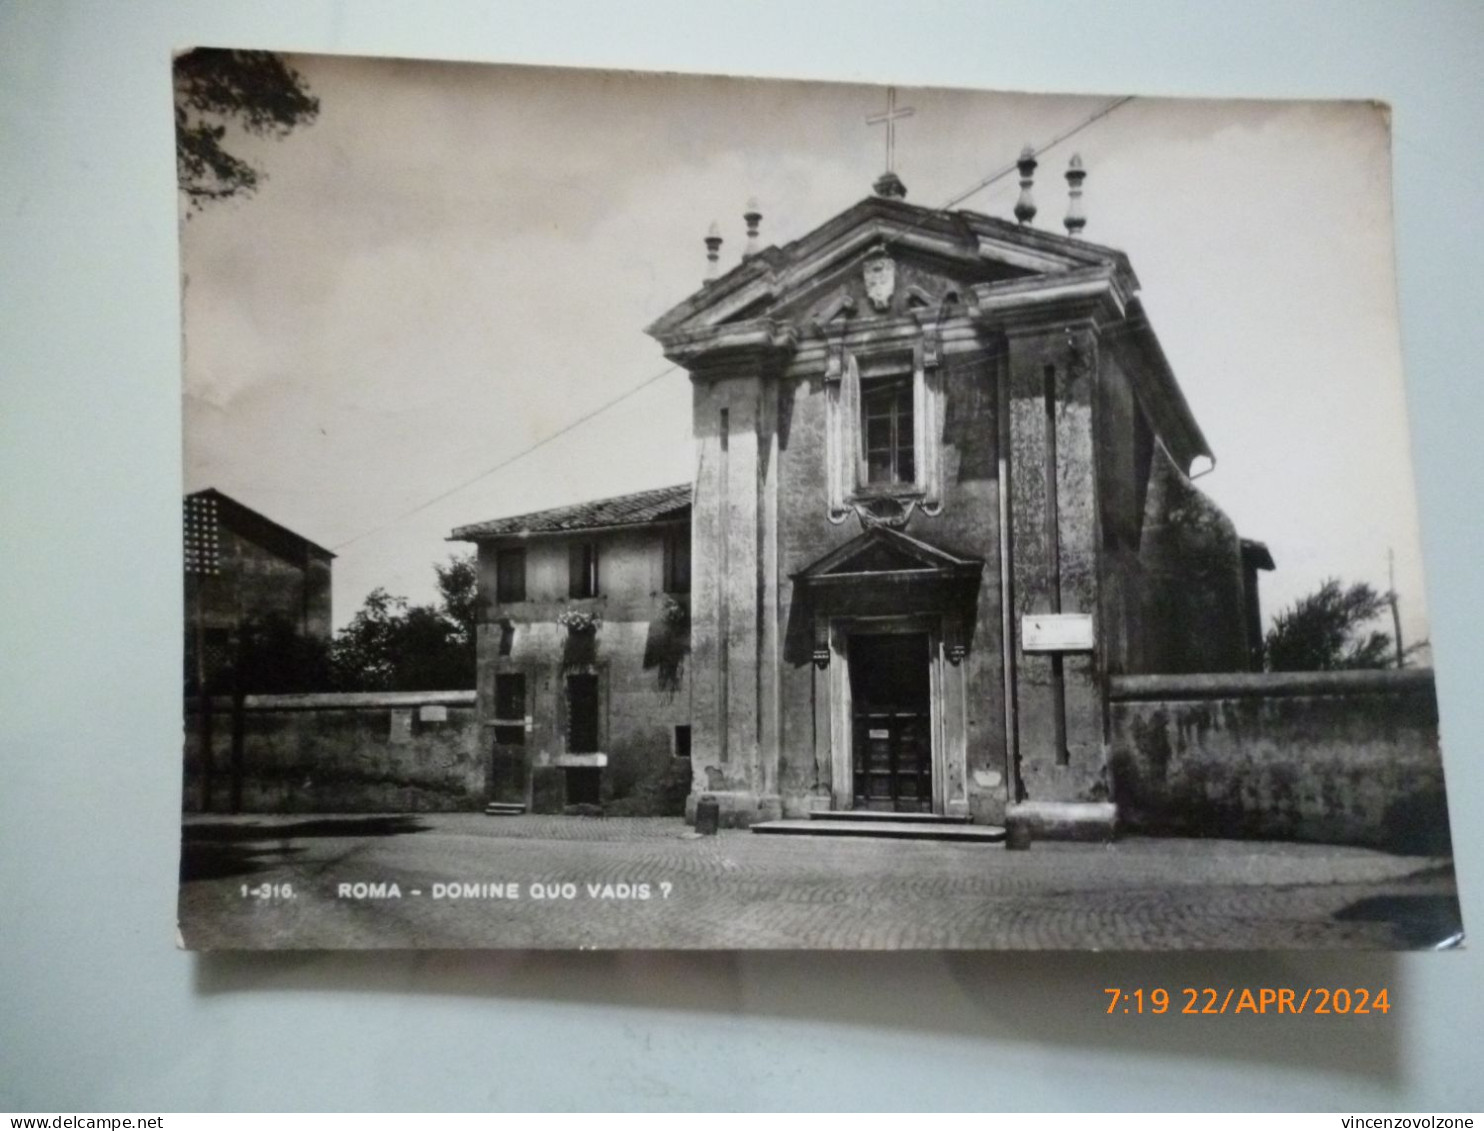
[(890, 119)]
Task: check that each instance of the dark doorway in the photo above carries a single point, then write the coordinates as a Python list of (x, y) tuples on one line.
[(508, 770), (582, 713), (892, 722), (584, 785)]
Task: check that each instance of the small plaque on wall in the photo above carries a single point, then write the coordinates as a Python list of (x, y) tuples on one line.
[(1056, 632)]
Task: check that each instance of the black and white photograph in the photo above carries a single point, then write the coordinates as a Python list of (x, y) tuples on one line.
[(646, 511)]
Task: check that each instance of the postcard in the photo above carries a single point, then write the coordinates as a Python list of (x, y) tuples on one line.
[(654, 511)]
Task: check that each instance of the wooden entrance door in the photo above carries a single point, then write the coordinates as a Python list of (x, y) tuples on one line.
[(508, 769), (892, 722)]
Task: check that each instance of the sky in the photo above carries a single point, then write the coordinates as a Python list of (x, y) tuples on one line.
[(455, 261)]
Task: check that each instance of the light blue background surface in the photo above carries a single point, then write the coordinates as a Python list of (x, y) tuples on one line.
[(98, 1011)]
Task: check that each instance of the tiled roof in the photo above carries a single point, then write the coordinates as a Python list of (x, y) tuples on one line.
[(621, 510)]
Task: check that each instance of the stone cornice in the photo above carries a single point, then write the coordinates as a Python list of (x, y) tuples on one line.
[(806, 351), (341, 701), (1143, 358), (1098, 294), (766, 338), (955, 335), (1240, 685), (965, 238)]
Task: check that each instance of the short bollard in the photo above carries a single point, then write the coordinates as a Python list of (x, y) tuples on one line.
[(708, 815), (1017, 835)]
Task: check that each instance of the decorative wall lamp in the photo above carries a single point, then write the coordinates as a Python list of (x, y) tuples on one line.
[(955, 648)]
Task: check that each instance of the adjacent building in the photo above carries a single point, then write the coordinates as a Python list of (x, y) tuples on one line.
[(582, 683), (242, 568)]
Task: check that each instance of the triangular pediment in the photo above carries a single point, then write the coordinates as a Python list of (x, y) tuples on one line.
[(881, 258), (880, 280), (882, 551)]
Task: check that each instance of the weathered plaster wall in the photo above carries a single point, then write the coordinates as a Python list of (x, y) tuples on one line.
[(339, 753), (1126, 454), (1346, 757), (1062, 361), (735, 689), (805, 534), (968, 526), (639, 654)]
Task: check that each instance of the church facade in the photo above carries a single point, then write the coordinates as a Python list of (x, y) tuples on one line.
[(943, 496)]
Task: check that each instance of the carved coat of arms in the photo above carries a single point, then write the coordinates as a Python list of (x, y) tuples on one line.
[(881, 280)]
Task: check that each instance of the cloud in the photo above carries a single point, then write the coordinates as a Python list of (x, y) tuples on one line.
[(454, 261)]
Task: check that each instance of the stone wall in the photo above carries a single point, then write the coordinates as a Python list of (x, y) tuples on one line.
[(395, 752), (1340, 757)]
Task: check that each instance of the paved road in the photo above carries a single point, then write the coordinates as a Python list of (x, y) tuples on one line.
[(738, 890)]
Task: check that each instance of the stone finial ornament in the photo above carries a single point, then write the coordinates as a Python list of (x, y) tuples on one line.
[(751, 218), (890, 186), (713, 250), (1076, 219), (1025, 207)]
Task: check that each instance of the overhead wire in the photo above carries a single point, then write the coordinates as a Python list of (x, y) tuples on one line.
[(508, 460), (1052, 144), (1002, 173), (632, 390)]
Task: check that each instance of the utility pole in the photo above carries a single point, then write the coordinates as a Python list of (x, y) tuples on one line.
[(1396, 617)]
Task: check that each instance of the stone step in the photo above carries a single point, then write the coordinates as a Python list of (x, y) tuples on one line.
[(886, 830), (885, 818)]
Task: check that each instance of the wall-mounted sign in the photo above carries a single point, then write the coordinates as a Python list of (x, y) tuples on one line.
[(1056, 632)]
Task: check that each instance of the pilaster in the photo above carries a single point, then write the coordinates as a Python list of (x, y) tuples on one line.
[(736, 635), (1054, 559)]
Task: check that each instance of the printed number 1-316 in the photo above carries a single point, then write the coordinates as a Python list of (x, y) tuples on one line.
[(269, 891)]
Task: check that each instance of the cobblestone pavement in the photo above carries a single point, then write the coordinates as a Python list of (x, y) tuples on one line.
[(738, 890)]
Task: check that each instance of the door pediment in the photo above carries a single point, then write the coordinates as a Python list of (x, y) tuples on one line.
[(880, 551), (883, 570)]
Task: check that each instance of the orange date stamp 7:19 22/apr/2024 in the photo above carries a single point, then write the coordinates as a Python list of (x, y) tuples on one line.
[(1251, 999)]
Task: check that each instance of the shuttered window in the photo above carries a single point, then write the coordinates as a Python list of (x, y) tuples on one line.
[(582, 569), (582, 713), (510, 575), (677, 560)]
